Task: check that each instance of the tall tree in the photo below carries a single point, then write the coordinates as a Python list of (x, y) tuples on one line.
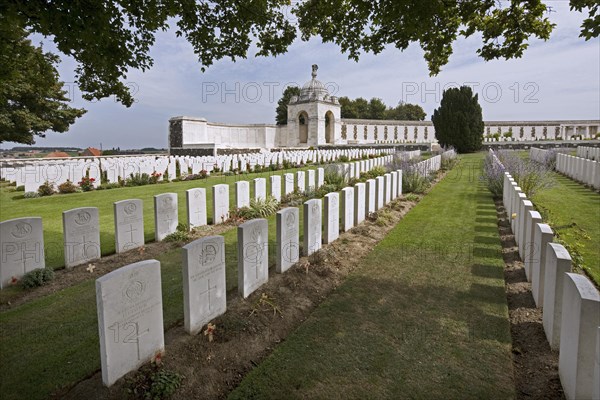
[(348, 108), (108, 38), (459, 120), (31, 97), (282, 104), (377, 109)]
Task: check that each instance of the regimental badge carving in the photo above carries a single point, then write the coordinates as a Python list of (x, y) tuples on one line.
[(222, 190), (253, 251), (21, 230), (196, 194), (334, 201), (134, 290), (130, 208), (290, 220), (82, 217), (167, 203), (208, 254), (355, 133)]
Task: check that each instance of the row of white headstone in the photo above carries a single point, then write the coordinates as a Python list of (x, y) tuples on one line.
[(33, 173), (543, 156), (591, 153), (570, 302), (580, 169), (129, 300), (22, 243)]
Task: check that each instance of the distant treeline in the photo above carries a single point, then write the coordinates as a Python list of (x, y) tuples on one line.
[(376, 109)]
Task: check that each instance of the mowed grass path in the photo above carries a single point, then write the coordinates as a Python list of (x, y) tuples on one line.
[(13, 205), (424, 317), (573, 211)]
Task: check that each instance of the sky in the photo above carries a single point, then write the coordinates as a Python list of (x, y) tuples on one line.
[(557, 79)]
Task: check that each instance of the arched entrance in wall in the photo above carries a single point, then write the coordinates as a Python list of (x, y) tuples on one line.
[(329, 127), (303, 126)]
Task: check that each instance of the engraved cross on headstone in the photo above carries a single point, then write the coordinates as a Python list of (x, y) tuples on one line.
[(208, 291)]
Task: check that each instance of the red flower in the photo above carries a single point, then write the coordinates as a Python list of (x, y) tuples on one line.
[(14, 280)]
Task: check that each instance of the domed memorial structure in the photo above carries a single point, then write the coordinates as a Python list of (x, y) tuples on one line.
[(314, 117)]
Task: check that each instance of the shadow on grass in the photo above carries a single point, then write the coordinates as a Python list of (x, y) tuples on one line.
[(486, 240), (395, 328), (486, 271)]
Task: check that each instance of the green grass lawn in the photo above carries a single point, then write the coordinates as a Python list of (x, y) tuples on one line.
[(424, 316), (13, 205), (573, 212)]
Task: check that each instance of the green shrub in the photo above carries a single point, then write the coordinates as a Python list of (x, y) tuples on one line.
[(183, 227), (20, 188), (108, 186), (343, 159), (335, 176), (67, 187), (156, 384), (412, 197), (87, 184), (379, 170), (31, 195), (138, 179), (178, 236), (37, 277), (46, 189), (262, 208), (413, 181)]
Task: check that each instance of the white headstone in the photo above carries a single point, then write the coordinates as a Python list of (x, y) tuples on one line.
[(130, 318), (21, 248), (347, 208), (129, 224), (399, 177), (379, 192), (312, 226), (166, 217), (220, 203), (204, 287), (394, 175), (579, 326), (332, 217), (543, 236), (276, 187), (311, 179), (81, 235), (260, 188), (320, 177), (288, 183), (558, 262), (300, 177), (196, 207), (288, 238), (359, 202), (387, 196), (531, 251), (371, 196), (253, 255), (242, 194)]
